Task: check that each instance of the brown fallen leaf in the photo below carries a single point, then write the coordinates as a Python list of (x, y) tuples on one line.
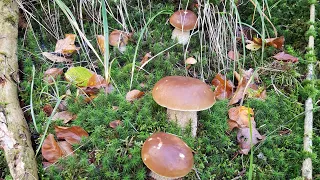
[(224, 87), (134, 94), (47, 109), (282, 56), (71, 134), (145, 58), (55, 58), (100, 40), (66, 148), (66, 46), (243, 138), (52, 74), (66, 116), (240, 115), (233, 55), (50, 149), (256, 43), (115, 123)]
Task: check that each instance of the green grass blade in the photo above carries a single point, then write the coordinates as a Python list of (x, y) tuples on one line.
[(31, 100), (106, 41)]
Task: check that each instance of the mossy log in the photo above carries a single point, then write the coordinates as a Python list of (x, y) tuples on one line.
[(14, 131)]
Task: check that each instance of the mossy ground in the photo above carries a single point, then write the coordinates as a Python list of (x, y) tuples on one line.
[(115, 153)]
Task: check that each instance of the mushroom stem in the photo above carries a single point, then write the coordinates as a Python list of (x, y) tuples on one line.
[(158, 177), (122, 49), (183, 119), (181, 36)]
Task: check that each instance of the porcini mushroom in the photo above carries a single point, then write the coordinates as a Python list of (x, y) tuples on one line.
[(167, 156), (183, 97), (119, 39), (183, 21)]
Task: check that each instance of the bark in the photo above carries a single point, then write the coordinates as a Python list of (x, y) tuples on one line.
[(184, 118), (14, 132), (308, 121)]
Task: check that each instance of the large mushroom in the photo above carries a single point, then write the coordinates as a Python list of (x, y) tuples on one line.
[(167, 156), (183, 21), (119, 39), (183, 97)]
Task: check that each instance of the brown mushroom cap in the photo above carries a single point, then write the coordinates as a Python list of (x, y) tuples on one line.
[(167, 155), (183, 94), (118, 38), (184, 18)]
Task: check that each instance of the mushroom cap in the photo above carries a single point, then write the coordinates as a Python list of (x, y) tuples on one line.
[(183, 94), (167, 155), (118, 38), (185, 19), (190, 60)]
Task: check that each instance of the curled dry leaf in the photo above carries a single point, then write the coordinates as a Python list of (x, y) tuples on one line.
[(115, 123), (282, 56), (71, 134), (100, 40), (55, 58), (145, 58), (224, 87), (134, 94), (50, 149), (66, 116), (239, 117), (66, 46), (256, 43), (66, 148), (243, 138), (52, 74)]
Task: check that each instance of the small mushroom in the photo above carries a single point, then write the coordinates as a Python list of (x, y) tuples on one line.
[(119, 39), (183, 97), (183, 21), (167, 156)]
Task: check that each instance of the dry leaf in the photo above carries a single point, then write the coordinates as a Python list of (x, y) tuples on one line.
[(47, 109), (133, 95), (243, 138), (66, 46), (240, 115), (55, 58), (66, 148), (282, 56), (50, 149), (115, 123), (145, 58), (51, 74), (100, 40), (256, 43), (63, 106), (71, 134), (66, 116), (233, 55), (253, 47), (224, 88)]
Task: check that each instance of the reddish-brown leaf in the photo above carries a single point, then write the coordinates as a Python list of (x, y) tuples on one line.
[(282, 56), (115, 123), (133, 95), (52, 74), (66, 46), (66, 148), (71, 134), (240, 115), (232, 124), (47, 109), (145, 58), (277, 42), (66, 116), (243, 138), (50, 149), (224, 87)]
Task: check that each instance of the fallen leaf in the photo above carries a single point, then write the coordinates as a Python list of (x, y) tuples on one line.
[(50, 149), (232, 124), (256, 43), (66, 46), (78, 75), (145, 58), (96, 81), (240, 115), (282, 56), (66, 116), (71, 134), (133, 95), (66, 148), (47, 109), (115, 108), (52, 74), (100, 40), (243, 138), (63, 106), (115, 123), (55, 58), (253, 47), (224, 88), (233, 55)]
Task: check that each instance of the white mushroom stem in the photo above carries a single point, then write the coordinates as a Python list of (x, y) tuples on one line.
[(181, 36), (122, 49), (183, 119), (158, 177)]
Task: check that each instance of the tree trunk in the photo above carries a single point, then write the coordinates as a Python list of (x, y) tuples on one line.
[(14, 131)]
